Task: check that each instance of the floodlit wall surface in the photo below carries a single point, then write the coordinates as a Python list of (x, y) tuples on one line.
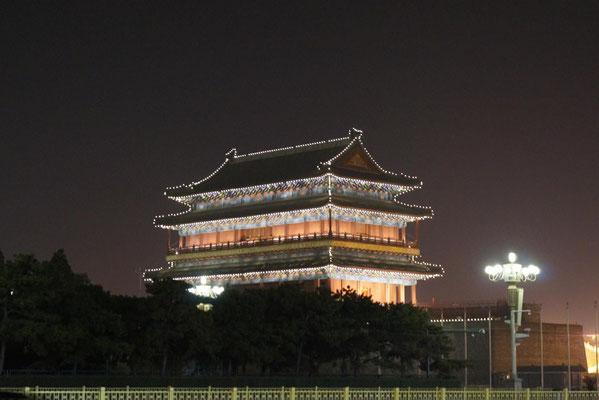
[(555, 346), (286, 230)]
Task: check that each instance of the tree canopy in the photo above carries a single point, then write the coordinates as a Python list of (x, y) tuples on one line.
[(53, 318)]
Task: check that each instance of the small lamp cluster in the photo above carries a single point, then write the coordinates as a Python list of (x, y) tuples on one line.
[(512, 272)]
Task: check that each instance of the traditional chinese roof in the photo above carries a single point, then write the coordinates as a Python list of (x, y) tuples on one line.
[(278, 206), (412, 268), (345, 157)]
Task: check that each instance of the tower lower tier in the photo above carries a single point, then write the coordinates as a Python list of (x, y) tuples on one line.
[(365, 267)]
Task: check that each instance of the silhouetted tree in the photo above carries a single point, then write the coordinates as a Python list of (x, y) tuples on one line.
[(53, 318), (17, 302), (173, 322)]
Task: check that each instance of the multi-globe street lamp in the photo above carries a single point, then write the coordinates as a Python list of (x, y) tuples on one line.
[(513, 273)]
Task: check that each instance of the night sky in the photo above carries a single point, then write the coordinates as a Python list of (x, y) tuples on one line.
[(495, 106)]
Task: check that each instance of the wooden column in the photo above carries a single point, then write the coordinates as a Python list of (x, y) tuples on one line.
[(417, 231), (330, 223), (168, 243), (403, 235), (414, 300), (387, 299), (401, 298)]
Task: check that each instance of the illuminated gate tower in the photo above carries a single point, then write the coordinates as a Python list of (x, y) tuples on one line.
[(323, 213)]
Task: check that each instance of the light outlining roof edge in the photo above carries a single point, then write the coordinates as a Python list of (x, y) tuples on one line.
[(403, 189), (299, 146), (232, 154), (206, 178), (428, 208), (328, 162), (422, 263), (359, 139), (327, 206), (326, 268)]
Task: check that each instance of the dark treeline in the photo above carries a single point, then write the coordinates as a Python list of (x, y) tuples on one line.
[(54, 319)]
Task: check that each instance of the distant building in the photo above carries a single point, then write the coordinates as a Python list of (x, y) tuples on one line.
[(481, 336), (592, 352), (324, 213)]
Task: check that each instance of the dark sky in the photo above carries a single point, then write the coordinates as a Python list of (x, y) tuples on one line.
[(495, 106)]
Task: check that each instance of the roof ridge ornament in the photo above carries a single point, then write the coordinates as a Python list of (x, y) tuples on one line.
[(231, 154), (355, 133)]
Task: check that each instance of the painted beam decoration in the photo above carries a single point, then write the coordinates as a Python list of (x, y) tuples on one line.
[(255, 204), (324, 272), (294, 217)]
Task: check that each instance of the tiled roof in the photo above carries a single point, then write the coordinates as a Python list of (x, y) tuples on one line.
[(297, 162)]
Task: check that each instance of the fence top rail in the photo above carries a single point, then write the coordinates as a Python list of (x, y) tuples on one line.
[(285, 388)]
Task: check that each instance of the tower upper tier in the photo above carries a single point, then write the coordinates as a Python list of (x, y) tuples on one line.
[(331, 177), (345, 157)]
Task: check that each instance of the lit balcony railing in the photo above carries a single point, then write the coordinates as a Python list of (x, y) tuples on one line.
[(255, 242)]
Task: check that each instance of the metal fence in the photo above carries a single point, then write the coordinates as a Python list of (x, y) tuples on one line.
[(291, 393)]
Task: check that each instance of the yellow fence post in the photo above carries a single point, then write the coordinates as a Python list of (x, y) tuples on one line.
[(171, 393), (282, 392), (442, 391), (127, 394), (102, 393), (396, 393), (346, 393), (292, 393), (565, 394), (527, 394), (487, 394), (315, 392), (209, 393), (234, 393), (27, 390)]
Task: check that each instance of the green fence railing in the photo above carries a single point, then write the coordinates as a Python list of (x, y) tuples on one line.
[(292, 393)]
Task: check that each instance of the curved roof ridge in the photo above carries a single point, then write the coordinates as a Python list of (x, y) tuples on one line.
[(323, 144), (292, 163)]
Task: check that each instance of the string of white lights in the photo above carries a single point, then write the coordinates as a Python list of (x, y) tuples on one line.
[(232, 155), (278, 215), (359, 139), (459, 319), (266, 188), (299, 146), (327, 269)]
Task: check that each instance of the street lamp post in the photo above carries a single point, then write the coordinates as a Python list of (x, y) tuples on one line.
[(513, 273)]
